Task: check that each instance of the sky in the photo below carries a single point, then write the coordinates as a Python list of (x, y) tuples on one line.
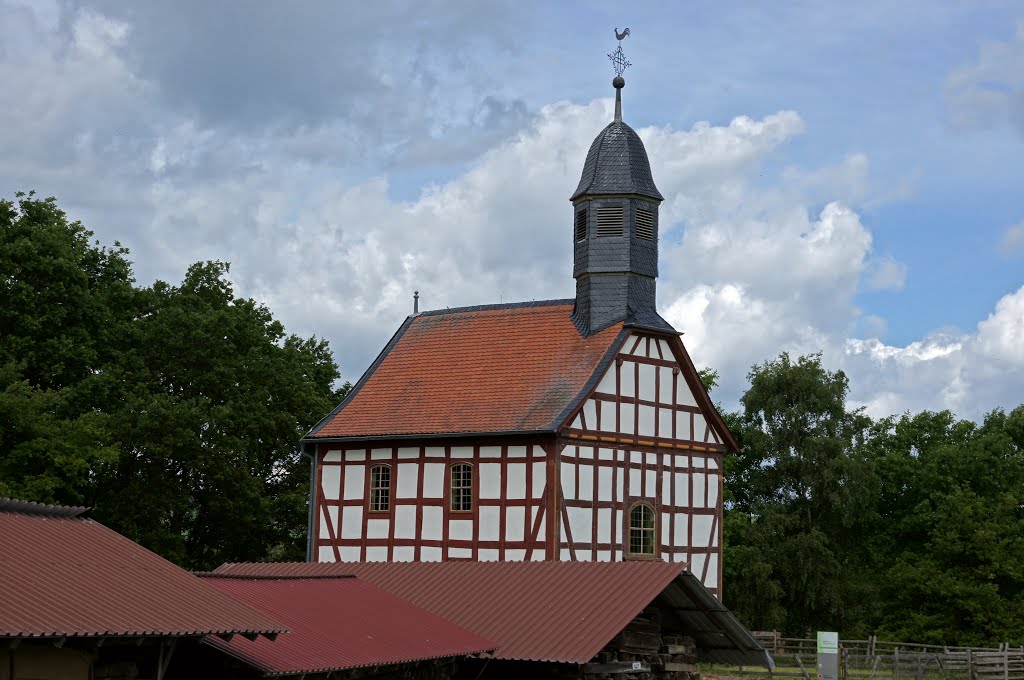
[(843, 178)]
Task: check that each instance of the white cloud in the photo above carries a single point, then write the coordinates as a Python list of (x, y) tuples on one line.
[(968, 373), (887, 273), (750, 266), (1001, 335), (1013, 240), (990, 91)]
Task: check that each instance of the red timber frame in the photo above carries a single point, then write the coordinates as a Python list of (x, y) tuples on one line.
[(654, 459), (546, 532), (532, 541)]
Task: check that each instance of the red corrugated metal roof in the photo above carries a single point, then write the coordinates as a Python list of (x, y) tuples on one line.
[(337, 623), (505, 368), (534, 611), (61, 575)]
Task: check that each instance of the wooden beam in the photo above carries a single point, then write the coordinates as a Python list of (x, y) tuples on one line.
[(619, 667)]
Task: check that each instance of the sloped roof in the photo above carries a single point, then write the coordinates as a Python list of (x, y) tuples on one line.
[(337, 623), (543, 611), (62, 575), (493, 369), (617, 164)]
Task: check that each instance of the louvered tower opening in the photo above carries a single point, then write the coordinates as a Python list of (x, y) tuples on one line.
[(609, 221), (645, 224), (581, 225)]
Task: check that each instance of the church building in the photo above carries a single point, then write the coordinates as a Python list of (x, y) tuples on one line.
[(562, 430)]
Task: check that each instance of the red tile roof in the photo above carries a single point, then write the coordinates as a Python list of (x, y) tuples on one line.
[(534, 611), (503, 368), (338, 623), (62, 575)]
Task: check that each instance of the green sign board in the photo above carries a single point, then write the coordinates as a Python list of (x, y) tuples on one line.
[(828, 642)]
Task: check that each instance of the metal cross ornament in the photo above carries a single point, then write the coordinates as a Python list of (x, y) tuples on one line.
[(618, 57)]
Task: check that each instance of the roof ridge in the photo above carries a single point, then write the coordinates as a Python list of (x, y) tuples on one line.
[(504, 305), (247, 576), (44, 509)]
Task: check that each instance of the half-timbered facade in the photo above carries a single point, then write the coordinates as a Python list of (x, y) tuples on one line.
[(560, 430)]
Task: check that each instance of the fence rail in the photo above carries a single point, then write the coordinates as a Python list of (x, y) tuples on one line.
[(875, 659)]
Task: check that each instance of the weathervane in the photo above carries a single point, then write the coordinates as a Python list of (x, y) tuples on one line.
[(618, 57)]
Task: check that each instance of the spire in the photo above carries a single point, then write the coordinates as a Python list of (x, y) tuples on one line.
[(615, 226), (618, 83), (620, 64)]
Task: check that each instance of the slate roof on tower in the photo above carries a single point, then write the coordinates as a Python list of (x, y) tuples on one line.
[(508, 368), (617, 164)]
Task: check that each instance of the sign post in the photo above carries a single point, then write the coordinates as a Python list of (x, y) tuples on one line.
[(828, 655)]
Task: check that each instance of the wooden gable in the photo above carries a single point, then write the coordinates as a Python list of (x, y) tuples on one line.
[(650, 395)]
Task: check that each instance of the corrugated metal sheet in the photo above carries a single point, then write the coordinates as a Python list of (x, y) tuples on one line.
[(535, 611), (338, 623), (61, 575), (719, 635)]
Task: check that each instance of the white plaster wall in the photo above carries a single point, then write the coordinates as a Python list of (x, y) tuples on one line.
[(433, 518), (405, 521), (701, 531), (679, 537), (646, 381), (354, 481), (433, 480), (330, 481), (515, 484), (377, 528), (490, 480), (515, 519), (490, 518), (408, 476), (352, 522), (332, 512), (460, 529), (580, 522)]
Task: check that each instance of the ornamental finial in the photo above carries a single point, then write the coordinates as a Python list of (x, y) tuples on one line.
[(618, 57), (620, 64)]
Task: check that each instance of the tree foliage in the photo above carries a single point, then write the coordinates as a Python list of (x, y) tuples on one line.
[(910, 527), (174, 410)]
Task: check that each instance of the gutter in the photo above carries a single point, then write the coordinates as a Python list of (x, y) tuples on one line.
[(310, 519), (429, 435)]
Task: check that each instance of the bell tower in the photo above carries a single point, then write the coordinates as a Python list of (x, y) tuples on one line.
[(615, 227)]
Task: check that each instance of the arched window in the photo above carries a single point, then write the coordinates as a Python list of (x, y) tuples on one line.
[(642, 523), (462, 487), (380, 488)]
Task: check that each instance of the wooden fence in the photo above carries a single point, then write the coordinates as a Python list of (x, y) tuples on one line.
[(873, 659)]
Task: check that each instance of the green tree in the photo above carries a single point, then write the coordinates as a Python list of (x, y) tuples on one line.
[(175, 410), (802, 496), (65, 303), (953, 548)]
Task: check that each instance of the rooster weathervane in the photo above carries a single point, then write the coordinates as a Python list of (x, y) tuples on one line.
[(618, 57)]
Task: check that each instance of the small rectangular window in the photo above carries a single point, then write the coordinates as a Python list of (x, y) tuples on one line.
[(645, 224), (609, 221), (380, 488), (581, 225)]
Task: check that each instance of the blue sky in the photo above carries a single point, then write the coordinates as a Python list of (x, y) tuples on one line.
[(840, 177)]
